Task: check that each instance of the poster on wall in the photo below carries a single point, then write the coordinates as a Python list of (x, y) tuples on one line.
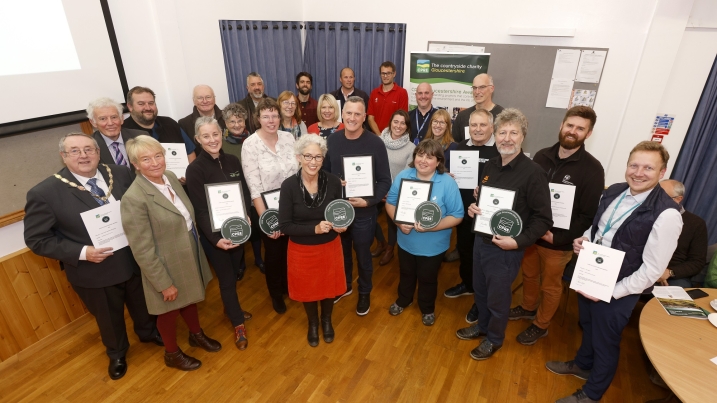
[(451, 76)]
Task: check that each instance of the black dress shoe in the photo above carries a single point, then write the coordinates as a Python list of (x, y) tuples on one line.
[(278, 304), (117, 368), (240, 274), (157, 339), (261, 267)]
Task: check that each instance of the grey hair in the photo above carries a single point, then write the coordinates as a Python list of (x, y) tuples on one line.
[(73, 134), (514, 116), (253, 74), (103, 103), (677, 186), (356, 100), (307, 140), (140, 144), (204, 121), (483, 112), (235, 109), (490, 78)]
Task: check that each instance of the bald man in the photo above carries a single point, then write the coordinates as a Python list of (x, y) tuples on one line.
[(421, 116), (204, 105), (483, 96)]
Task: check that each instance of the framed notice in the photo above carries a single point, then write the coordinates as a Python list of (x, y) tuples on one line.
[(225, 200), (358, 174), (271, 199), (411, 193), (490, 200)]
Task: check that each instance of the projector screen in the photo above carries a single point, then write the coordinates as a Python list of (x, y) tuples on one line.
[(57, 56)]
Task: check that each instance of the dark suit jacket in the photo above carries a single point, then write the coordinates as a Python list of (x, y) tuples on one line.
[(187, 124), (248, 103), (106, 156), (54, 228)]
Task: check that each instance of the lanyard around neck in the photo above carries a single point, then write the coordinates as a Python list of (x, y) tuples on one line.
[(610, 223), (418, 112)]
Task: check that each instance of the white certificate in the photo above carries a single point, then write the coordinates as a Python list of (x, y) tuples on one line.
[(175, 157), (410, 194), (225, 200), (596, 270), (561, 202), (358, 174), (271, 199), (464, 167), (491, 200), (104, 224)]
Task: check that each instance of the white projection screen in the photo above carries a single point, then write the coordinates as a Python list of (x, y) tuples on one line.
[(55, 57)]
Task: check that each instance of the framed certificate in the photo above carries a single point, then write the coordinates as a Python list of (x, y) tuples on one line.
[(490, 200), (175, 157), (411, 193), (358, 174), (271, 199), (225, 200), (464, 167)]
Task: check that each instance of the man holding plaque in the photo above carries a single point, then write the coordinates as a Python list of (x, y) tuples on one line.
[(482, 141), (520, 187), (577, 180), (639, 218), (105, 280), (354, 140)]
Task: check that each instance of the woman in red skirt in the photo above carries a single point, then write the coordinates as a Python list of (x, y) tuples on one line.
[(315, 258)]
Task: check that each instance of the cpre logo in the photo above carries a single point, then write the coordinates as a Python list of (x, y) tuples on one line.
[(496, 201), (225, 196), (556, 196), (423, 66), (105, 219), (599, 260), (464, 162), (414, 193), (358, 167)]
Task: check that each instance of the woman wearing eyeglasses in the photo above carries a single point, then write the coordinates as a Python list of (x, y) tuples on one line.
[(290, 114), (267, 158), (316, 266), (328, 115), (440, 130)]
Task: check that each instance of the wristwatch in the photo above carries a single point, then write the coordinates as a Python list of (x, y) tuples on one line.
[(672, 273)]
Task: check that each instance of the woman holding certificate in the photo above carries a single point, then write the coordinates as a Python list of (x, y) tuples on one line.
[(267, 158), (421, 250), (440, 130), (316, 265), (328, 117), (290, 114), (215, 166), (158, 220)]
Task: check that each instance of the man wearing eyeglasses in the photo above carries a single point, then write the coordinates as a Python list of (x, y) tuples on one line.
[(106, 280), (204, 105), (483, 97), (385, 99)]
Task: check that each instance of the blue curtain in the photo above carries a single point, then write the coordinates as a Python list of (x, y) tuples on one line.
[(270, 48), (697, 161), (331, 46)]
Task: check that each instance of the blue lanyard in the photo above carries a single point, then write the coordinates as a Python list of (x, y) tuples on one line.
[(428, 115), (610, 223)]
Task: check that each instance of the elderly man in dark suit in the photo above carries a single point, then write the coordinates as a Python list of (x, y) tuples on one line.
[(106, 116), (105, 279)]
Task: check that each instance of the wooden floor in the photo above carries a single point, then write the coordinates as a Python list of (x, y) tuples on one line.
[(375, 358)]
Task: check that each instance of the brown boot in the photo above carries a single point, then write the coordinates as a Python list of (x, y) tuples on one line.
[(240, 337), (387, 256), (380, 247), (181, 361), (202, 340)]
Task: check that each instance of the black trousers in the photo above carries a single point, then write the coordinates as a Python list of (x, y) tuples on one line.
[(464, 243), (422, 270), (226, 265), (275, 265), (107, 306)]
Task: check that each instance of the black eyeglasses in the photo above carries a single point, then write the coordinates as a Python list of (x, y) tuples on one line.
[(309, 157)]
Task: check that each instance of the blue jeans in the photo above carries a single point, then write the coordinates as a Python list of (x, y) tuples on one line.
[(360, 235), (494, 270), (684, 282)]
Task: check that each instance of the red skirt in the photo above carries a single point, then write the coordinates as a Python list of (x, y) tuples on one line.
[(316, 272)]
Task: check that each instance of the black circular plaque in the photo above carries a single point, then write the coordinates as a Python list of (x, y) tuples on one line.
[(236, 229), (340, 213)]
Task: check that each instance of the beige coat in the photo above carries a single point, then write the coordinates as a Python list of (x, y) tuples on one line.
[(161, 245)]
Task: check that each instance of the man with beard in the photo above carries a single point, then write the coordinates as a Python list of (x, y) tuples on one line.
[(255, 92), (568, 163), (385, 99), (307, 104), (143, 116)]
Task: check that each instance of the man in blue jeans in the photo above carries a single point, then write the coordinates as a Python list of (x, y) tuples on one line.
[(352, 141)]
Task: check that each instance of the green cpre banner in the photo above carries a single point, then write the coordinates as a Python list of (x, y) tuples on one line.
[(451, 76)]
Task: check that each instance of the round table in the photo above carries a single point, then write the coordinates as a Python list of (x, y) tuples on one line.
[(681, 349)]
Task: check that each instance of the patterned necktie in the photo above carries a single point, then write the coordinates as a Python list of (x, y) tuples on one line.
[(119, 158), (92, 184)]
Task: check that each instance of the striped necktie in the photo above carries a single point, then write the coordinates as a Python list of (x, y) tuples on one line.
[(119, 158), (92, 184)]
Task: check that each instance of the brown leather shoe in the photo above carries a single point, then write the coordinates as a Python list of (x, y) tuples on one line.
[(247, 315), (380, 247), (387, 256), (181, 361), (240, 334), (202, 340)]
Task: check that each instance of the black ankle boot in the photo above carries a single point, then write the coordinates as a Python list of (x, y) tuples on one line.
[(312, 312), (327, 307)]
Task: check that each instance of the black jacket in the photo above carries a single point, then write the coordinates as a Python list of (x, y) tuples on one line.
[(588, 176), (248, 103), (208, 170), (106, 156), (167, 129), (187, 124)]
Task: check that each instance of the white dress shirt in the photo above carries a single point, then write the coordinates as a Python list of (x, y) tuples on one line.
[(661, 243), (82, 181), (176, 201)]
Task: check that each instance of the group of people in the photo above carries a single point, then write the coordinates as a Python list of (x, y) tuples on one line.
[(296, 144)]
